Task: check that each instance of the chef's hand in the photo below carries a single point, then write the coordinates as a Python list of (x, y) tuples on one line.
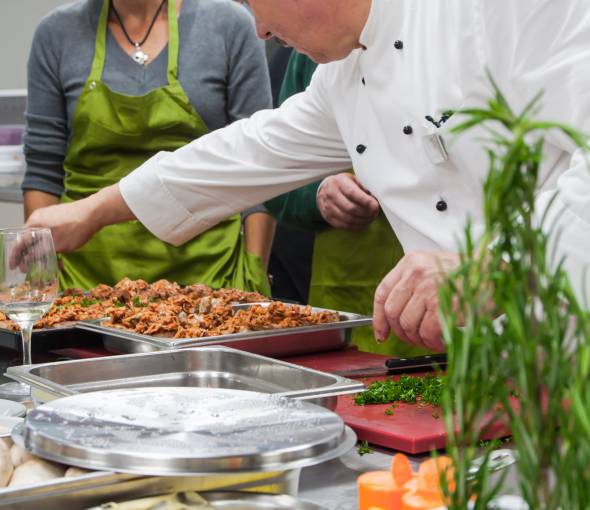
[(72, 225), (344, 203), (69, 224), (406, 301)]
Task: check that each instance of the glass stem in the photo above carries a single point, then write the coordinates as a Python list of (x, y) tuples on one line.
[(26, 329)]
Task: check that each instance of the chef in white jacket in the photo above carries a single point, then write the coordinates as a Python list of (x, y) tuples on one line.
[(393, 68)]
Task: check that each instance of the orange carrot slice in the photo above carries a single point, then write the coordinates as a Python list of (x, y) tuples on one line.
[(401, 469), (422, 501), (432, 470), (411, 485), (378, 489)]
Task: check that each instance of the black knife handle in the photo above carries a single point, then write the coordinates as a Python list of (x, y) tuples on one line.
[(417, 362)]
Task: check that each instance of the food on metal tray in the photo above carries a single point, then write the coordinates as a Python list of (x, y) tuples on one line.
[(166, 309), (184, 318), (35, 471), (19, 468), (19, 455), (5, 442), (180, 501), (71, 472), (6, 467)]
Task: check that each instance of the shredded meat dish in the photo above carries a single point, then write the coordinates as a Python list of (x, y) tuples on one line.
[(166, 309)]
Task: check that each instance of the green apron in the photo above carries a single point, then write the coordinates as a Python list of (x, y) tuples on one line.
[(112, 134), (346, 269)]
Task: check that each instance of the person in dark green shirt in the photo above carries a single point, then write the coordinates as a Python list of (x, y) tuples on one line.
[(355, 246)]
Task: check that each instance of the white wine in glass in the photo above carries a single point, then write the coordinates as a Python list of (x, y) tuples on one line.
[(28, 286)]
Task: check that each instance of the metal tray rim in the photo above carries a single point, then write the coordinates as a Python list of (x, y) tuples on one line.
[(340, 386), (347, 442), (100, 479), (293, 503), (356, 321)]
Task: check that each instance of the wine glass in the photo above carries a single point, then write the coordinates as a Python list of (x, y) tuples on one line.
[(28, 286)]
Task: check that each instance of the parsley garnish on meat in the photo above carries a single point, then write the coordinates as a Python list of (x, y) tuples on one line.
[(137, 302), (408, 389), (85, 302)]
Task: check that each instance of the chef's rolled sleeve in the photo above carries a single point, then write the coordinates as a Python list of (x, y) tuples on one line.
[(181, 194)]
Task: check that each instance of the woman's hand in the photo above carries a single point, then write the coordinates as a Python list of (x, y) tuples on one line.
[(259, 231)]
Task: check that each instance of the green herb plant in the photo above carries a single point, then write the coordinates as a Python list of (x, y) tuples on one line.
[(507, 320)]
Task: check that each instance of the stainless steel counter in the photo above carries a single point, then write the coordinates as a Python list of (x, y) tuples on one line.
[(333, 484)]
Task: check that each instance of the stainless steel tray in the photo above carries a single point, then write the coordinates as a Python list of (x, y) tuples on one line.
[(269, 342), (213, 366), (47, 339), (68, 335), (82, 492)]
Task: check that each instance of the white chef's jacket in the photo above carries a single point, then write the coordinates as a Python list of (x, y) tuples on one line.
[(419, 58)]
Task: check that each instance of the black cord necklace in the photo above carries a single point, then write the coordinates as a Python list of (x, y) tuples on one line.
[(139, 55)]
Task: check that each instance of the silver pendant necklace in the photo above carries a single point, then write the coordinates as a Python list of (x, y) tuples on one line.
[(139, 56)]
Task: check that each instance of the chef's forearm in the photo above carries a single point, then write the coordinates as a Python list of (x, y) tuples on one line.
[(107, 207)]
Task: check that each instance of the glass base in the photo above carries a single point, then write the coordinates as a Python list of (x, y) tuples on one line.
[(15, 391)]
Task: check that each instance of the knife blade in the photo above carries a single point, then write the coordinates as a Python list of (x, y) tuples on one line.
[(399, 366)]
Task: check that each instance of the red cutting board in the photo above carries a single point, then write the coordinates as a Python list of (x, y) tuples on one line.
[(411, 429)]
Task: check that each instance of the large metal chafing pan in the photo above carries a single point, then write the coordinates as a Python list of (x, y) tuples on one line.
[(213, 366), (269, 342)]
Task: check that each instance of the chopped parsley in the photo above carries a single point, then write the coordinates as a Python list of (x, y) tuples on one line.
[(408, 389), (138, 302), (85, 302), (363, 448)]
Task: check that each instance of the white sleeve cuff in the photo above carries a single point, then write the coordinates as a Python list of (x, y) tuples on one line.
[(145, 194)]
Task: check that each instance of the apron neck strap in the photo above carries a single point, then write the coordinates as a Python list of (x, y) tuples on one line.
[(100, 45), (173, 42)]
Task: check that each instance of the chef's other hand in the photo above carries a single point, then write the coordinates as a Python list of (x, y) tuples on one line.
[(406, 301), (344, 203)]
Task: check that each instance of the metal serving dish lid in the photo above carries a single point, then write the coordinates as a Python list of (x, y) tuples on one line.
[(183, 431)]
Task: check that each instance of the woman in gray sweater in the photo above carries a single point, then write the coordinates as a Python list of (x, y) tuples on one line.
[(113, 82)]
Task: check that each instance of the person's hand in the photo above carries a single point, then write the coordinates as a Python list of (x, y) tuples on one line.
[(344, 203), (70, 224), (406, 301)]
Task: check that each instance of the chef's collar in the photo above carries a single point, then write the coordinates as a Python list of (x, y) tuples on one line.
[(369, 32)]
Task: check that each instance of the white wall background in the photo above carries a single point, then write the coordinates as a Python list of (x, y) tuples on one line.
[(18, 19)]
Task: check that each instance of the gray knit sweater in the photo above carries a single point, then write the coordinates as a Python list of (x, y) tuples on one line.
[(222, 69)]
